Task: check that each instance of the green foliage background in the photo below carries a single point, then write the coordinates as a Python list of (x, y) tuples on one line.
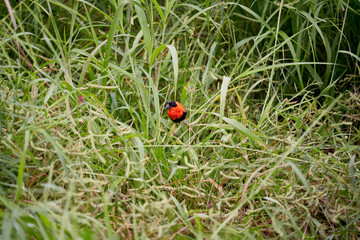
[(271, 147)]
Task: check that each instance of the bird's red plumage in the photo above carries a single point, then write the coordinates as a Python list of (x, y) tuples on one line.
[(177, 113)]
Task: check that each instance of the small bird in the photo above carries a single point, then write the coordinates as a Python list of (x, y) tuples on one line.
[(176, 112)]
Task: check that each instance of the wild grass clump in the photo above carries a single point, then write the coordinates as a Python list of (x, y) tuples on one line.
[(271, 147)]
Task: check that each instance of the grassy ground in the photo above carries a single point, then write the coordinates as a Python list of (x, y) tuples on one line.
[(271, 150)]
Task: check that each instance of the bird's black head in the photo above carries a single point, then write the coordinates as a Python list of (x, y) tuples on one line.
[(171, 104)]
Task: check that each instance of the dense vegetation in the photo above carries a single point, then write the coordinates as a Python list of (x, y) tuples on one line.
[(271, 149)]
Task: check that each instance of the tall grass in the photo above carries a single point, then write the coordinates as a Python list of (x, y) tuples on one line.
[(271, 147)]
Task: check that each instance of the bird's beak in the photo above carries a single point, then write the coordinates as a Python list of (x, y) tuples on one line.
[(167, 106)]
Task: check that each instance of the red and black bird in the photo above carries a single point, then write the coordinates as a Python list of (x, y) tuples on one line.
[(176, 111)]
